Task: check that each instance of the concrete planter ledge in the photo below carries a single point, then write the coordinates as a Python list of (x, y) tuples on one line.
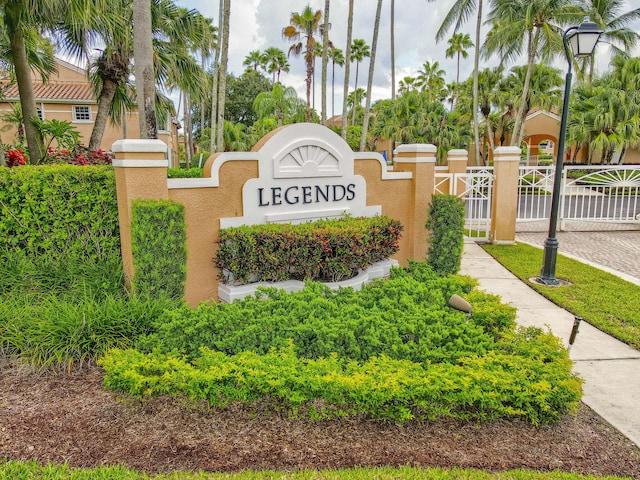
[(229, 293)]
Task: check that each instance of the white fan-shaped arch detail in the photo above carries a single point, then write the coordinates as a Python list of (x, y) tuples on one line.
[(307, 160)]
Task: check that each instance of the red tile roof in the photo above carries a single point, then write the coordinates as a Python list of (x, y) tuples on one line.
[(53, 91)]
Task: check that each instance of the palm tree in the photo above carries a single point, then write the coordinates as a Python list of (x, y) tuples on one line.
[(347, 55), (280, 101), (604, 115), (354, 99), (39, 55), (543, 92), (489, 82), (458, 14), (337, 58), (372, 62), (254, 60), (431, 80), (359, 50), (458, 45), (530, 26), (206, 48), (222, 70), (303, 26), (614, 24), (176, 33), (215, 87), (407, 84), (275, 62)]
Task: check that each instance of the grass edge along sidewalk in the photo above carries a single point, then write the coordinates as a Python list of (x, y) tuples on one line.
[(603, 299), (22, 470)]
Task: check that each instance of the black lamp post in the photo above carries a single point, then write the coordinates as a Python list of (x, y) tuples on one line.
[(583, 40)]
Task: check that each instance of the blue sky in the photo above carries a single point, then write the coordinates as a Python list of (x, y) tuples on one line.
[(257, 25)]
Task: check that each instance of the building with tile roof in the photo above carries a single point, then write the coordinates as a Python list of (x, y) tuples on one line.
[(68, 96)]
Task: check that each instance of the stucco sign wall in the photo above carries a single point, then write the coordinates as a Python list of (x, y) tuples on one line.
[(306, 172)]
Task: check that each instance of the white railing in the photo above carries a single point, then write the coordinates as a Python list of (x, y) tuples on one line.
[(601, 194), (476, 188), (588, 194)]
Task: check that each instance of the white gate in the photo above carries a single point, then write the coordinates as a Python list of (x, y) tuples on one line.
[(604, 194), (476, 188)]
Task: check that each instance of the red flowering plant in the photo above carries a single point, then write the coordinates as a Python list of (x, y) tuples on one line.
[(15, 157), (79, 155)]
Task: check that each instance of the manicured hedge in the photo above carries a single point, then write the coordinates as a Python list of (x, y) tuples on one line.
[(446, 223), (59, 229), (60, 210), (329, 250), (158, 243)]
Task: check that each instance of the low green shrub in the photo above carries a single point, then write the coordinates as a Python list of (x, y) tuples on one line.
[(329, 250), (65, 276), (527, 376), (446, 223), (393, 350), (50, 331), (193, 172), (404, 317)]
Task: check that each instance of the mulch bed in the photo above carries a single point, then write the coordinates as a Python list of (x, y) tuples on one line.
[(68, 417)]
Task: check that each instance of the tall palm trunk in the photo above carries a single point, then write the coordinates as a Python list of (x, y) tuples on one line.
[(476, 61), (213, 147), (310, 59), (35, 144), (187, 128), (145, 77), (517, 135), (346, 71), (393, 50), (372, 62), (104, 101), (325, 61), (333, 88), (355, 97), (203, 97), (223, 71)]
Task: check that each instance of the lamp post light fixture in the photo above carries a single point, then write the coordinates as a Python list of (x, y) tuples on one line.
[(583, 40)]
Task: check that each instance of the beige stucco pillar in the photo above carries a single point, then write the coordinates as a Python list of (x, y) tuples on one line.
[(506, 161), (420, 160), (141, 173), (457, 161)]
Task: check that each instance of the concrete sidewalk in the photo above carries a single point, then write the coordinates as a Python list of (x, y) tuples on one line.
[(610, 368)]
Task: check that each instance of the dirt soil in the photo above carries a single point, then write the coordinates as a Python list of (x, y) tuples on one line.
[(70, 418)]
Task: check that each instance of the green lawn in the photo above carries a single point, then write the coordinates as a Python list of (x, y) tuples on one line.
[(27, 470), (602, 299)]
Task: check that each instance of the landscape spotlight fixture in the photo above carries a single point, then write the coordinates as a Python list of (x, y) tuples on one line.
[(459, 303)]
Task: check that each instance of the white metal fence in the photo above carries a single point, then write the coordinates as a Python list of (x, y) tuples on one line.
[(603, 194)]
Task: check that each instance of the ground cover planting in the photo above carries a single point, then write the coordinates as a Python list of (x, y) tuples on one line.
[(393, 350)]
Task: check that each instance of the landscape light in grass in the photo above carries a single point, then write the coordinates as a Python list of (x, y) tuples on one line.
[(459, 303)]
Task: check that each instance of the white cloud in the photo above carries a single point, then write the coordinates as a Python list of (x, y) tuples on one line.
[(258, 24)]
